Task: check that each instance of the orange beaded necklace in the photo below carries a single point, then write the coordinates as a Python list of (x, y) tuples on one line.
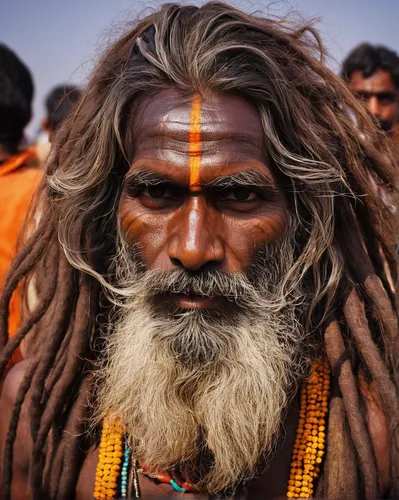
[(306, 458), (310, 435)]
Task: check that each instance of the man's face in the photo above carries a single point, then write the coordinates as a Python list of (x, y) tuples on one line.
[(200, 194), (379, 94), (209, 243)]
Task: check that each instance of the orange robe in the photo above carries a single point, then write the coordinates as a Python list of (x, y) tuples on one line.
[(18, 182)]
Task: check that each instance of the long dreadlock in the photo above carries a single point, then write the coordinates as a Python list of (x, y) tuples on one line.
[(331, 160)]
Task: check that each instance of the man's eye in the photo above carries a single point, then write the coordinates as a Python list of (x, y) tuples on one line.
[(386, 97), (241, 194), (157, 191)]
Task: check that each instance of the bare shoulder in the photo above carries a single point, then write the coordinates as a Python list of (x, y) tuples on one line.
[(12, 382), (22, 446)]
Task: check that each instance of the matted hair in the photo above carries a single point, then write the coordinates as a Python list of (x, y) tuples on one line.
[(332, 162)]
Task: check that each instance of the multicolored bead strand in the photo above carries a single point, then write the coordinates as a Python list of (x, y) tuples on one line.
[(310, 436), (109, 461), (164, 477), (125, 470)]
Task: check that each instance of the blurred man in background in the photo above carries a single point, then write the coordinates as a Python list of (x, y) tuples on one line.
[(18, 175), (59, 103), (372, 73)]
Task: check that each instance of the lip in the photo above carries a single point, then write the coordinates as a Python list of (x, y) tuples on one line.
[(196, 301)]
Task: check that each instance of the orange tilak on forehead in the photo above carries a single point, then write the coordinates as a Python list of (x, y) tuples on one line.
[(195, 144)]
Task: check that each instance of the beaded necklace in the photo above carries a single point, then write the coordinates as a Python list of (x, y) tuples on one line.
[(115, 461)]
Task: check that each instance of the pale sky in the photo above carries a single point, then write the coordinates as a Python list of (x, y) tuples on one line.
[(60, 41)]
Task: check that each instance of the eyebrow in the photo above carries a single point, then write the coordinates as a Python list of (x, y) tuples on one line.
[(252, 178), (249, 178)]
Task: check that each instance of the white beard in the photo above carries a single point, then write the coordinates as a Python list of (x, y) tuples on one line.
[(192, 380)]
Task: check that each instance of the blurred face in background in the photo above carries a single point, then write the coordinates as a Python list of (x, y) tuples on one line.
[(379, 94)]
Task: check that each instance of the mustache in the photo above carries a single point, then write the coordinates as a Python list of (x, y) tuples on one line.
[(212, 283), (386, 125), (263, 280)]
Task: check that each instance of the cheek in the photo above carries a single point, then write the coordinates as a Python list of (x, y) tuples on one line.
[(143, 229), (391, 111), (244, 237)]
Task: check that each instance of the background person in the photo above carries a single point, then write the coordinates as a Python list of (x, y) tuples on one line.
[(372, 72), (59, 104), (19, 176)]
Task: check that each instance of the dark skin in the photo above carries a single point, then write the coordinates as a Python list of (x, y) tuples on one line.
[(216, 223), (209, 226), (380, 95)]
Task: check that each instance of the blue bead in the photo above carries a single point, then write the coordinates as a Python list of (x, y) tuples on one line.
[(176, 486)]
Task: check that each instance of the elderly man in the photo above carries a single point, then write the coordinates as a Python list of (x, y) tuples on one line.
[(211, 314)]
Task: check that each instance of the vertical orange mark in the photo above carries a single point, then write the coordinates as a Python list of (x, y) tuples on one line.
[(195, 144)]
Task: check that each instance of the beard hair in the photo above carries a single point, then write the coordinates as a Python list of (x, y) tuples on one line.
[(199, 383)]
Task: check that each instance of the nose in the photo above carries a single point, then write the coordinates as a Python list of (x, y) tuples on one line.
[(373, 105), (194, 243)]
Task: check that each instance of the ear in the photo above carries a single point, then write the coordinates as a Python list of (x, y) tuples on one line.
[(45, 124)]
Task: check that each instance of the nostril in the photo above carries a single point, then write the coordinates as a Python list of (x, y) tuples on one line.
[(176, 262)]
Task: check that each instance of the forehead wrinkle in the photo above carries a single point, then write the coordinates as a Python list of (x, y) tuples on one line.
[(168, 138)]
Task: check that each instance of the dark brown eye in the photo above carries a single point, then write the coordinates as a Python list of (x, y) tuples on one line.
[(241, 194), (156, 191), (386, 97)]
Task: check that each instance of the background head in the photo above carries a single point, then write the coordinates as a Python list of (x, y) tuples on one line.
[(59, 104), (372, 72), (16, 94)]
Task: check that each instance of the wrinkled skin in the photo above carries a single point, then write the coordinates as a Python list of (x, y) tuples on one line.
[(178, 225)]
